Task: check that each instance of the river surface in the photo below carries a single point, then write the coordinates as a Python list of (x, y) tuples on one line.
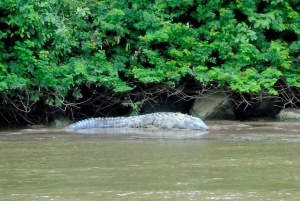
[(233, 161)]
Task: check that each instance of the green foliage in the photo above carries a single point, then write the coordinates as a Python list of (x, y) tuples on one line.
[(135, 106), (55, 47)]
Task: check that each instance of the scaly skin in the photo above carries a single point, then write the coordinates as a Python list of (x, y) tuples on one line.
[(165, 120)]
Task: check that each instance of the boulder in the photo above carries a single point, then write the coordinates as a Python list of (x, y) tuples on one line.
[(60, 122), (289, 114), (213, 107)]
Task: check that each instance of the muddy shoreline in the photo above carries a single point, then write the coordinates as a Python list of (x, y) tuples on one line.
[(218, 130), (253, 125)]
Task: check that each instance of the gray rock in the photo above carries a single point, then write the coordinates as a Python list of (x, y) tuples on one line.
[(289, 114), (214, 107), (60, 122)]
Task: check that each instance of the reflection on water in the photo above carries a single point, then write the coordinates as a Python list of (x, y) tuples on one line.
[(227, 163), (144, 133)]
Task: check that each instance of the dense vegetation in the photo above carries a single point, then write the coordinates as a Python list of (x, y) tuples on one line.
[(57, 55)]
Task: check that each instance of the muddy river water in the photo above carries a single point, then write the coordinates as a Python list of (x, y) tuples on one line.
[(232, 161)]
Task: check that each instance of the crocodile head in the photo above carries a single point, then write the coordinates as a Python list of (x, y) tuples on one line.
[(195, 123)]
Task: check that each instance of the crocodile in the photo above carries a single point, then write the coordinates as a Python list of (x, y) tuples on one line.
[(164, 120)]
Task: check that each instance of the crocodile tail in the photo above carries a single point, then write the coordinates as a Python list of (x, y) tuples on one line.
[(87, 123), (98, 123)]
